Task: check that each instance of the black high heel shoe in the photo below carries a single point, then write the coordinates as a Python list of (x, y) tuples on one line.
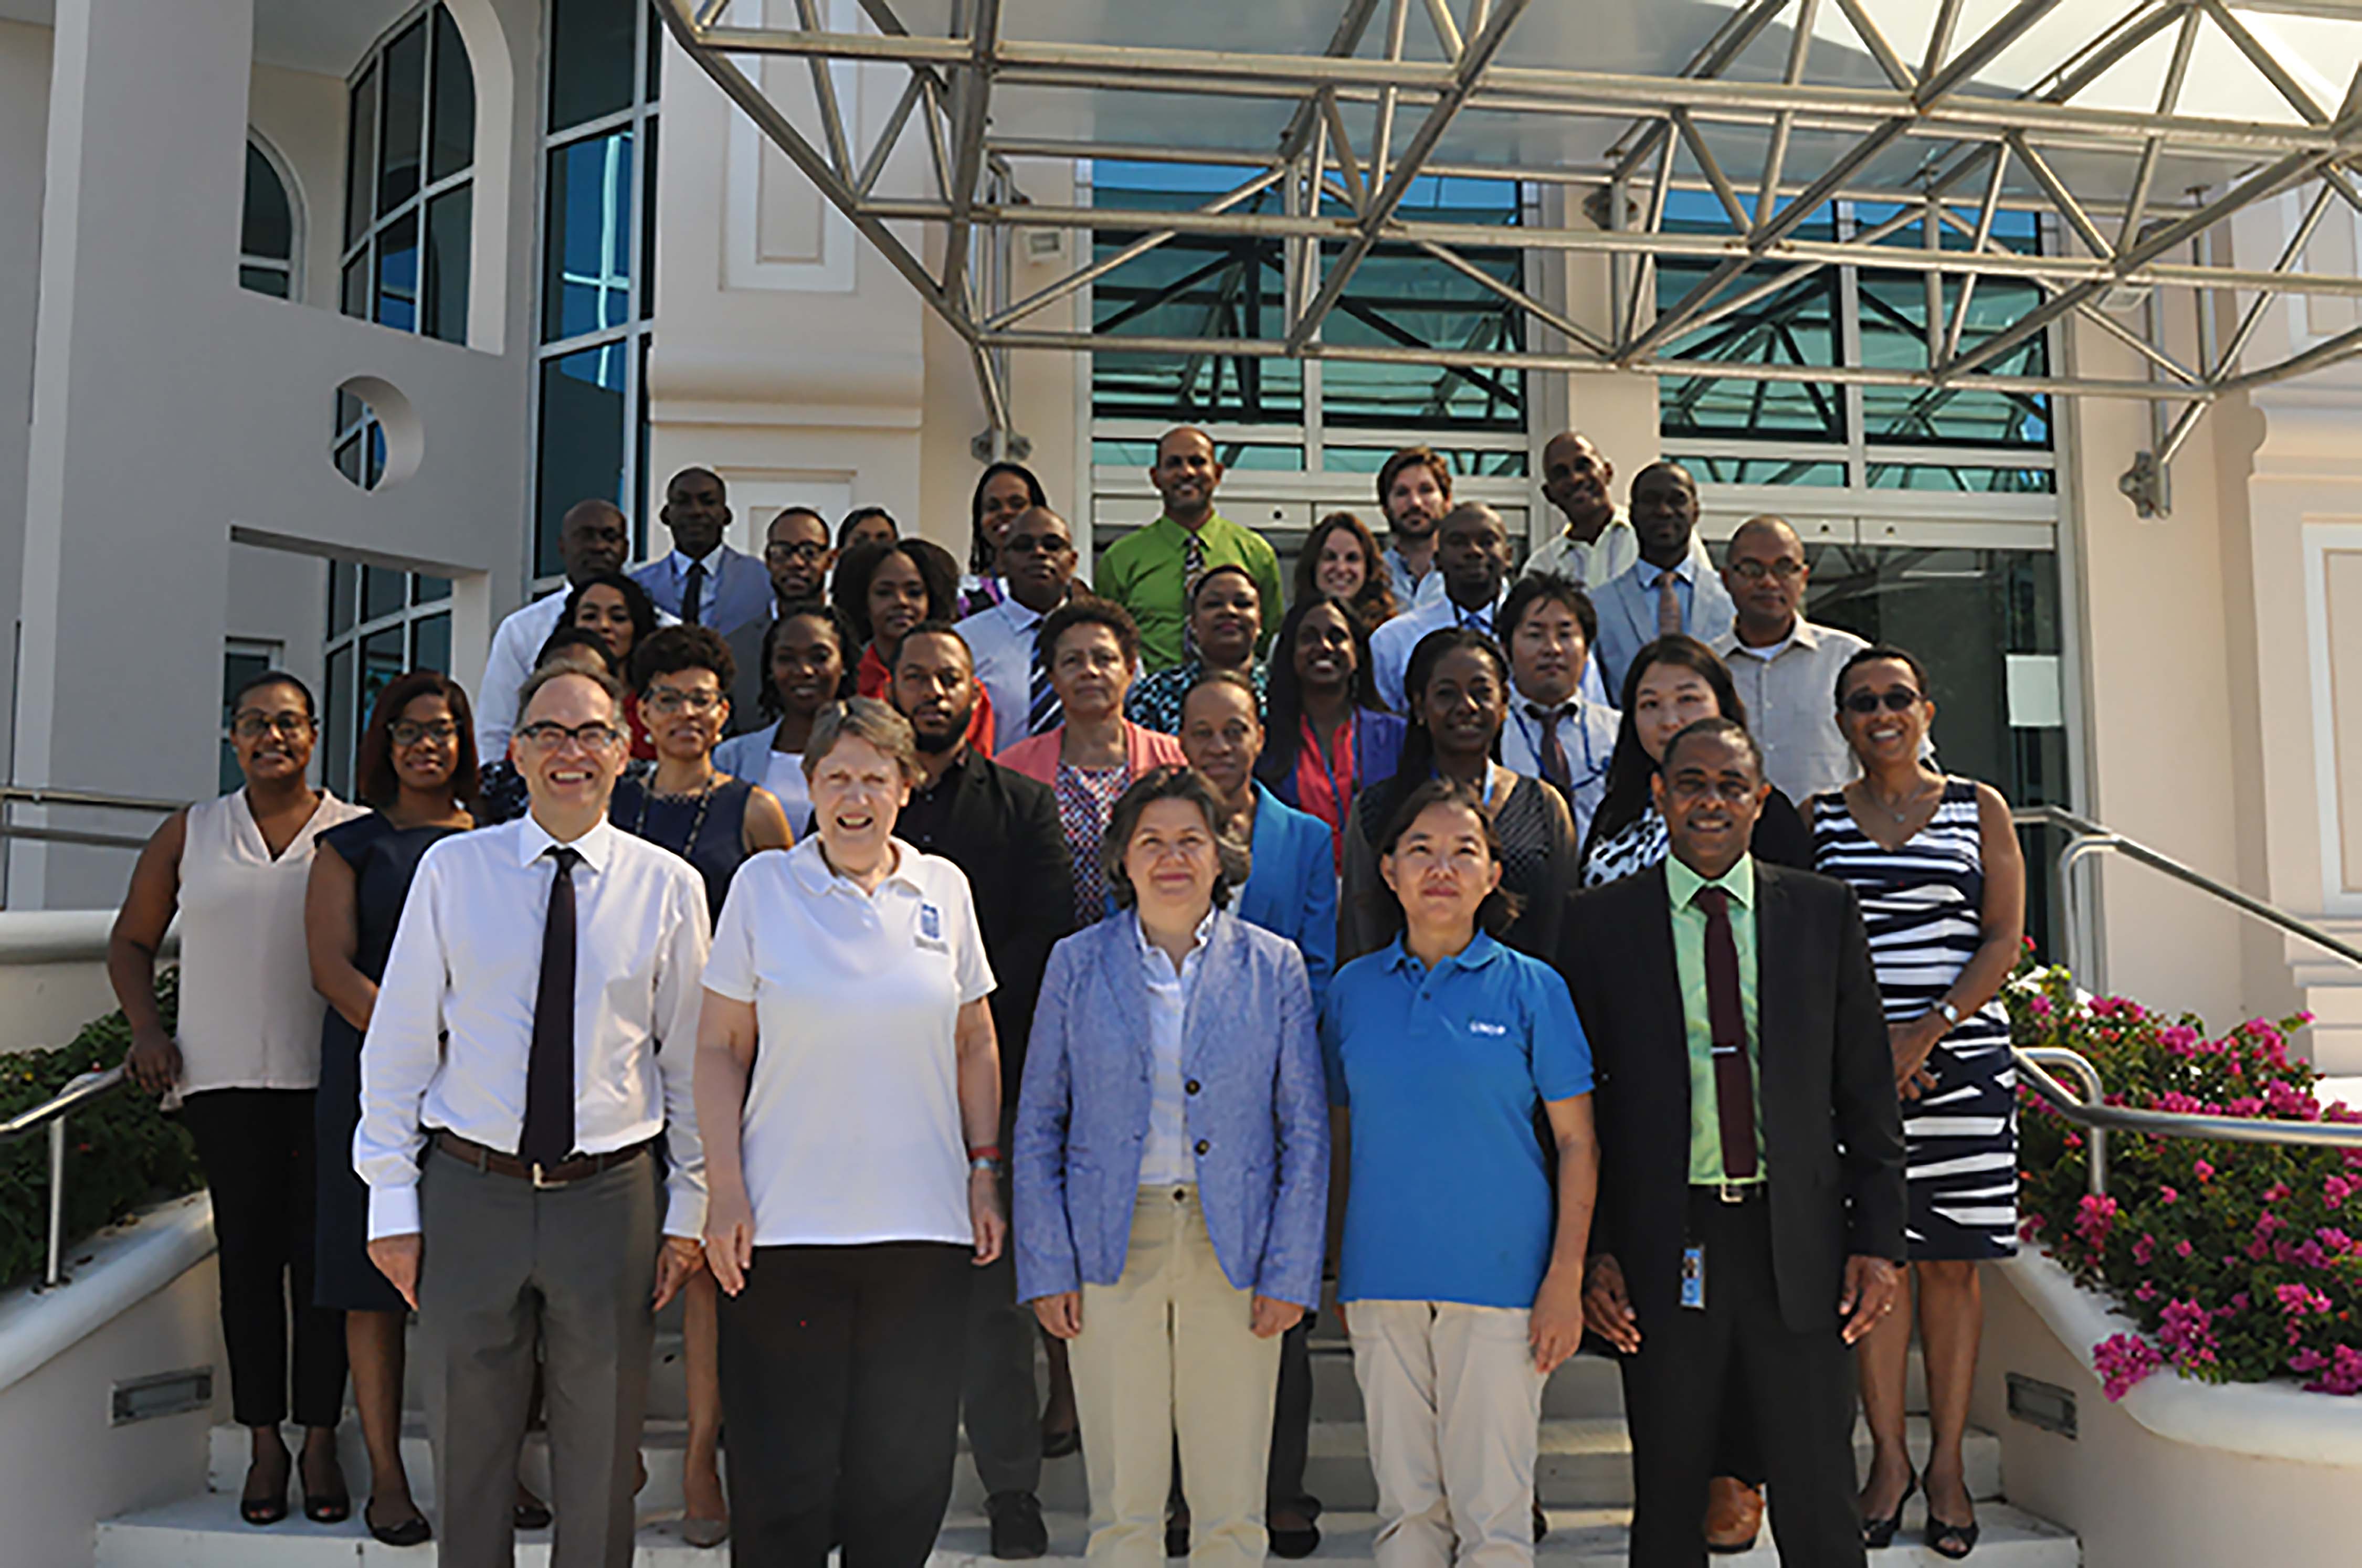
[(1878, 1534), (1953, 1541)]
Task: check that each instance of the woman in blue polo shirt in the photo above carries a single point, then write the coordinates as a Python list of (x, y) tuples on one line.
[(1460, 1291)]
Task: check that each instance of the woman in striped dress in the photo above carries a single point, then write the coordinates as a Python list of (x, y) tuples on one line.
[(1943, 892)]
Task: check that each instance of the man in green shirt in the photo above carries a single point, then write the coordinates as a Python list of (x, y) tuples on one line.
[(1150, 571), (1751, 1194)]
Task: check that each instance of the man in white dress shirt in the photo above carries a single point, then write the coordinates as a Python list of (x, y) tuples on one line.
[(1037, 562), (536, 1034), (593, 536), (1472, 553), (1596, 544), (1414, 492), (703, 581), (1786, 666), (797, 554), (1671, 587), (1553, 733)]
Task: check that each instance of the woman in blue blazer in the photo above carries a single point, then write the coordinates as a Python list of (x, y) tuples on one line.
[(1170, 1167), (1330, 735)]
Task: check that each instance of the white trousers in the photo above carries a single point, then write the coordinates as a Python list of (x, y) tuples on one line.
[(1168, 1351), (1454, 1406)]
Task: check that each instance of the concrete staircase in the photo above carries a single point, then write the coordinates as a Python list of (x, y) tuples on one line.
[(1583, 1479)]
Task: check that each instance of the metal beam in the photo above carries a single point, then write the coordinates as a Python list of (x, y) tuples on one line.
[(971, 98)]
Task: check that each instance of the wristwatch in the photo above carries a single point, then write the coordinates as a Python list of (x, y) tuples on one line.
[(1951, 1014)]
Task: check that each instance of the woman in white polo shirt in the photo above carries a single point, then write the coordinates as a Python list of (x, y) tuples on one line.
[(848, 1089)]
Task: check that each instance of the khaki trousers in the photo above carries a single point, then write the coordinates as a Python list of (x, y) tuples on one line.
[(1168, 1351), (1454, 1408)]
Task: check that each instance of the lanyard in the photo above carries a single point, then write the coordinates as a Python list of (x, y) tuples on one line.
[(1530, 727)]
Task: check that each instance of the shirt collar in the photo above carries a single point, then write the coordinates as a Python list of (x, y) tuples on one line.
[(1151, 953), (1024, 617), (1684, 885), (711, 562), (1802, 634), (1480, 950), (1616, 520), (595, 846), (812, 868)]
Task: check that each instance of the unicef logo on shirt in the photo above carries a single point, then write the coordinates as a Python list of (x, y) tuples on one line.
[(1478, 1026), (931, 925)]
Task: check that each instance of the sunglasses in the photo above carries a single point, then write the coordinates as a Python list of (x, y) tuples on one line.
[(1894, 700)]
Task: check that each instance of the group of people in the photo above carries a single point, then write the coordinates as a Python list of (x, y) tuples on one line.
[(1132, 962)]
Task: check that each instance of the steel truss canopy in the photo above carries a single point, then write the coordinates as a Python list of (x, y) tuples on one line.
[(2140, 129)]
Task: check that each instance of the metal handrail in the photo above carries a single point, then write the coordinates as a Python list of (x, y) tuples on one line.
[(52, 1112), (89, 800)]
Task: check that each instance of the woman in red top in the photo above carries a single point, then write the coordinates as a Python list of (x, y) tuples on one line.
[(620, 610), (889, 588), (1329, 738)]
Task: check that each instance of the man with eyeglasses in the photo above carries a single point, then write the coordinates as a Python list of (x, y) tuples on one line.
[(533, 1036), (1786, 666), (1037, 566), (797, 554)]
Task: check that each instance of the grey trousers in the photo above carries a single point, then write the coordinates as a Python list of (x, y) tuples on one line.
[(998, 1398), (501, 1266)]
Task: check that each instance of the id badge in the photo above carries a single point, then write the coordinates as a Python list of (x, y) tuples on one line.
[(1694, 1277)]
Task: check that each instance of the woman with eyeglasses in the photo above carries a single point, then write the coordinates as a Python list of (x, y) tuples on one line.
[(1936, 860), (1004, 492), (621, 612), (808, 653), (245, 1061), (418, 766)]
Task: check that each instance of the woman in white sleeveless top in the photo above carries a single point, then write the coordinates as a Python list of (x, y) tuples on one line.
[(244, 1062)]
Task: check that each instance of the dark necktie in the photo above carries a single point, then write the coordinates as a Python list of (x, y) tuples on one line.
[(1042, 711), (1734, 1084), (692, 593), (549, 1135), (1668, 604), (1554, 755), (1193, 567)]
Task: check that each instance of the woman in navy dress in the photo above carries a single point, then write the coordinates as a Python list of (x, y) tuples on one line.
[(419, 767), (1942, 881), (681, 675)]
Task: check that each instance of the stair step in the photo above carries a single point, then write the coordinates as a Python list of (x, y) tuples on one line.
[(1587, 1386), (205, 1532)]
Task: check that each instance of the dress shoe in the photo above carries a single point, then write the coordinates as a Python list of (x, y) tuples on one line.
[(1734, 1514), (1018, 1532)]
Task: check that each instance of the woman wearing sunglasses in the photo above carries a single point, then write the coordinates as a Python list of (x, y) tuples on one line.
[(1943, 888)]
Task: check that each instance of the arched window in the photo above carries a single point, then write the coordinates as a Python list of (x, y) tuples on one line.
[(410, 161), (266, 247)]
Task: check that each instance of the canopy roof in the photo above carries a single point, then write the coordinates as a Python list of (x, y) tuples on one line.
[(2142, 126)]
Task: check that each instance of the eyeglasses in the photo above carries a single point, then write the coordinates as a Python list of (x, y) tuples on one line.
[(252, 726), (408, 734), (670, 701), (1035, 544), (1786, 569), (549, 735), (779, 555), (1894, 700)]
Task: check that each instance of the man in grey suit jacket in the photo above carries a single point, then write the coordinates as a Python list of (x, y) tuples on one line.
[(1671, 587), (704, 581)]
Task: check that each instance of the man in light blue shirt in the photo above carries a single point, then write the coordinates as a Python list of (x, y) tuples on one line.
[(704, 581), (1671, 587)]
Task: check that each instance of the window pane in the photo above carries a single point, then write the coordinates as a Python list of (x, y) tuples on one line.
[(591, 66), (354, 300), (1765, 471), (343, 579), (239, 667), (587, 257), (399, 142), (1894, 336), (656, 56), (337, 768), (376, 469), (430, 643), (269, 228), (449, 221), (384, 656), (1959, 476), (648, 222), (269, 281), (360, 158), (397, 274), (382, 591), (584, 427), (1797, 326), (451, 145), (425, 589), (349, 458)]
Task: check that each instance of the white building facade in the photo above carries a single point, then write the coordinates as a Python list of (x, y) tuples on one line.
[(315, 318)]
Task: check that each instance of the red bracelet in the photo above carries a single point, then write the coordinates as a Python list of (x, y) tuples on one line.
[(985, 1152)]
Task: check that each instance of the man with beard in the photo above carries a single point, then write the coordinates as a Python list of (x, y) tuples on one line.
[(1472, 553), (1037, 566), (1001, 829), (1153, 570), (796, 553), (1671, 587), (1414, 491), (702, 580), (1596, 544)]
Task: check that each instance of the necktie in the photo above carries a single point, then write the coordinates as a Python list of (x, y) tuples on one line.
[(1193, 567), (1669, 605), (1042, 711), (549, 1135), (1734, 1084), (692, 593), (1554, 755), (1480, 618)]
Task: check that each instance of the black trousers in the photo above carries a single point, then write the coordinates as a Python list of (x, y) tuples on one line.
[(1799, 1387), (998, 1403), (841, 1392), (1291, 1426), (257, 1148)]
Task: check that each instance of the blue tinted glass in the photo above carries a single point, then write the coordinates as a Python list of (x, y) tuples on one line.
[(451, 141), (587, 252), (584, 428), (450, 225), (402, 141), (397, 274)]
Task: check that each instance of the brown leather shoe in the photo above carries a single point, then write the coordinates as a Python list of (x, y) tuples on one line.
[(1733, 1514)]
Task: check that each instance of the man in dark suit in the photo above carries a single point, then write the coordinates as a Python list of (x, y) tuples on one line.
[(1001, 829), (1750, 1186)]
